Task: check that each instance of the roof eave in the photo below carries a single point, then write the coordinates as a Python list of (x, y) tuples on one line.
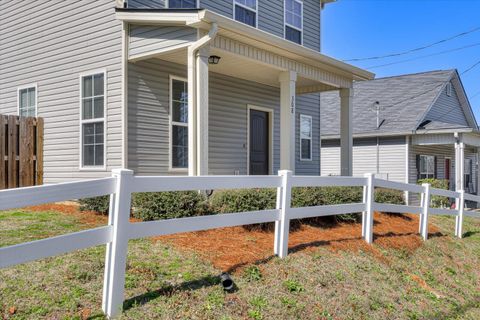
[(400, 133)]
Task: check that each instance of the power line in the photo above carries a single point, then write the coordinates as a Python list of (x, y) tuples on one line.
[(415, 49), (471, 67), (475, 95), (425, 56)]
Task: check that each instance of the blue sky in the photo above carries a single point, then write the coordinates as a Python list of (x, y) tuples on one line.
[(365, 28)]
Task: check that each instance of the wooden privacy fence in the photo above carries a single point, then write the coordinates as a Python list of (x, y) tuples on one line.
[(120, 230), (21, 148)]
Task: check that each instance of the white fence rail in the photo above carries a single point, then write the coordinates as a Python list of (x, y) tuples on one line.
[(119, 230)]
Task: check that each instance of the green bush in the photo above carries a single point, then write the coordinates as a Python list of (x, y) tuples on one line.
[(97, 204), (168, 205), (437, 201), (389, 196)]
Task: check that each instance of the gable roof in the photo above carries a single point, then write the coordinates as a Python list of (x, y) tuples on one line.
[(404, 101)]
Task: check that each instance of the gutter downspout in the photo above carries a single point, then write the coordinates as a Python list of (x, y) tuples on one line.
[(194, 99)]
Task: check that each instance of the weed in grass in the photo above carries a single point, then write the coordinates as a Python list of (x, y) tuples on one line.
[(340, 276), (253, 273), (288, 302), (325, 315), (215, 300), (255, 314), (258, 302), (293, 286)]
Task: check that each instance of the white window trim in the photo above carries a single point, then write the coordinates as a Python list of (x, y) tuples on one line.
[(167, 4), (285, 24), (449, 89), (235, 3), (271, 122), (96, 120), (27, 86), (427, 173), (311, 137), (171, 123)]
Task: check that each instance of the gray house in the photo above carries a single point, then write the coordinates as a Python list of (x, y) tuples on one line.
[(407, 128), (173, 87)]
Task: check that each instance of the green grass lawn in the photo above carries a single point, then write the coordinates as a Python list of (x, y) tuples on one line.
[(440, 280)]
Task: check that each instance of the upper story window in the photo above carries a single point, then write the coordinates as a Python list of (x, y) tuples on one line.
[(305, 137), (179, 123), (182, 4), (245, 11), (294, 20), (27, 101), (92, 95)]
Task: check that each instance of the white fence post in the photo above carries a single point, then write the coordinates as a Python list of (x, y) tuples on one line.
[(422, 198), (370, 200), (364, 213), (459, 218), (276, 244), (284, 220), (116, 256), (426, 207)]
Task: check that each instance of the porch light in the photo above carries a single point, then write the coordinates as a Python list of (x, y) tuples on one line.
[(213, 59)]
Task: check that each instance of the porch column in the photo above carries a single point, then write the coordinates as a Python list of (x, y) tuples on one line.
[(287, 120), (459, 165), (346, 128), (202, 110), (198, 112)]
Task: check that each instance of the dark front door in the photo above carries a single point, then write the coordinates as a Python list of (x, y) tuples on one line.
[(259, 142), (447, 171)]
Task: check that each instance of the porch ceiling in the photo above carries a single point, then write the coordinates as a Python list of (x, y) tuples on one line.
[(246, 69)]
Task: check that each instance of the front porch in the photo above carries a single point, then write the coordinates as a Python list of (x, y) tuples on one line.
[(258, 75)]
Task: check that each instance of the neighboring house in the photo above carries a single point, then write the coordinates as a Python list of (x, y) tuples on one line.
[(424, 129), (161, 87)]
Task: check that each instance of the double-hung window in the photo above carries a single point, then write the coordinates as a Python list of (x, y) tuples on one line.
[(93, 120), (27, 101), (305, 137), (467, 169), (294, 20), (182, 4), (427, 167), (245, 11), (179, 123)]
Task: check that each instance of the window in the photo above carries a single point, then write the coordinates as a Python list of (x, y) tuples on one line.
[(467, 171), (427, 167), (449, 89), (305, 137), (179, 123), (182, 4), (294, 20), (245, 11), (27, 101), (93, 119)]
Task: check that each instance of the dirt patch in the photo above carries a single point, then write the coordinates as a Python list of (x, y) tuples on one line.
[(230, 249)]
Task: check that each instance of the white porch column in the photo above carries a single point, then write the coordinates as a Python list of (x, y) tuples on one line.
[(202, 110), (459, 165), (346, 129), (287, 80), (198, 112)]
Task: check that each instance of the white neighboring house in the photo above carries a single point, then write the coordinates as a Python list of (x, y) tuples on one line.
[(406, 128), (172, 87)]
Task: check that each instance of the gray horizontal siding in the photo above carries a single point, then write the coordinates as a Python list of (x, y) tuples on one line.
[(147, 39), (271, 17), (147, 4), (311, 24), (391, 161), (50, 43), (447, 110), (308, 104), (223, 7)]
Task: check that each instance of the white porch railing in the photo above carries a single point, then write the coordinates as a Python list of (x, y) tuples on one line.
[(119, 230)]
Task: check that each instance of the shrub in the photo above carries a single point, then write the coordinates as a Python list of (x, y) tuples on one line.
[(97, 204), (389, 196), (437, 201), (168, 205)]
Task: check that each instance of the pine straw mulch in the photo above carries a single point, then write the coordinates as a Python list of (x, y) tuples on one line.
[(231, 249)]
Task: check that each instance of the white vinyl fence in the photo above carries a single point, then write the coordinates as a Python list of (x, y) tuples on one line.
[(119, 229)]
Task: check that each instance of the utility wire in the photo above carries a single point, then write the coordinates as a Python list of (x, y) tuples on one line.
[(415, 49), (475, 95), (425, 56), (471, 67)]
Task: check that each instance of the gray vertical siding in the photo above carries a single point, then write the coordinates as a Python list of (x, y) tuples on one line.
[(392, 157), (50, 43), (308, 104), (146, 39), (148, 119), (447, 109)]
